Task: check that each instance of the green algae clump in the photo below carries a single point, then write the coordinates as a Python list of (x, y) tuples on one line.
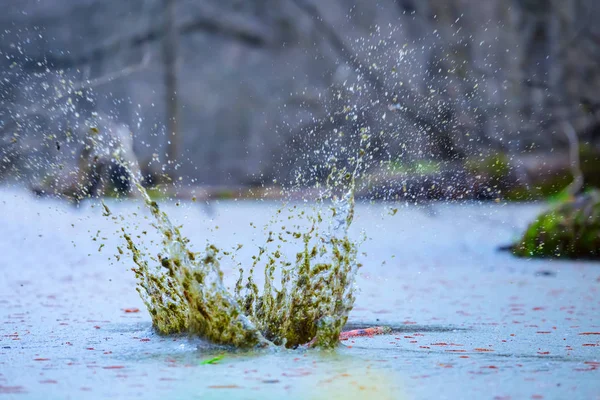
[(570, 229), (184, 291)]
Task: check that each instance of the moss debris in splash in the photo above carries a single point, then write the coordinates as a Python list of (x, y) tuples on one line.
[(310, 302), (185, 293), (314, 297)]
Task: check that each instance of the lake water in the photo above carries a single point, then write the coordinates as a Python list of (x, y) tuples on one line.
[(468, 321)]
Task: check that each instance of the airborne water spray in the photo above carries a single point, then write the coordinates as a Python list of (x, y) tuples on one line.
[(184, 291), (307, 294)]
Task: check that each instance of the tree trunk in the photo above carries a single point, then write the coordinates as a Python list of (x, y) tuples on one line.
[(170, 44)]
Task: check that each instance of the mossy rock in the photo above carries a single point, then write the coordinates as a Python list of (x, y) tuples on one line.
[(570, 229)]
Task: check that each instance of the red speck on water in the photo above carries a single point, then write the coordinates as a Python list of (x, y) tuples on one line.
[(589, 345), (225, 387), (538, 308), (543, 332), (131, 310), (482, 350), (424, 347), (464, 357), (585, 369), (41, 359), (590, 333), (537, 396), (490, 367), (107, 352), (114, 367), (90, 348), (11, 389), (543, 352), (144, 340), (439, 344), (296, 373), (593, 365), (96, 326)]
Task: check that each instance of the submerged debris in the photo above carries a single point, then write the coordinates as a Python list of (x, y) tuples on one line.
[(568, 230)]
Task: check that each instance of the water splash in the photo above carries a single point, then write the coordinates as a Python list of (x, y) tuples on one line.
[(310, 302)]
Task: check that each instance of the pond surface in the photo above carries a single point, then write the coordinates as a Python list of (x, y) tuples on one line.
[(468, 321)]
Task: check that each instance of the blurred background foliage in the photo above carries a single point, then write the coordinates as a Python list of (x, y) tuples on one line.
[(463, 98)]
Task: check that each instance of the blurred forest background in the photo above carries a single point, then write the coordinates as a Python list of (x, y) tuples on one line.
[(464, 98)]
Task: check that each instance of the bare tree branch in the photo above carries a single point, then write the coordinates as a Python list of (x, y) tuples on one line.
[(581, 30), (403, 91), (170, 46), (233, 26), (48, 102), (577, 184), (103, 80)]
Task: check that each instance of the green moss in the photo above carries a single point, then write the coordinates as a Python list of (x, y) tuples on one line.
[(590, 166), (494, 166), (224, 194), (550, 188), (570, 229)]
